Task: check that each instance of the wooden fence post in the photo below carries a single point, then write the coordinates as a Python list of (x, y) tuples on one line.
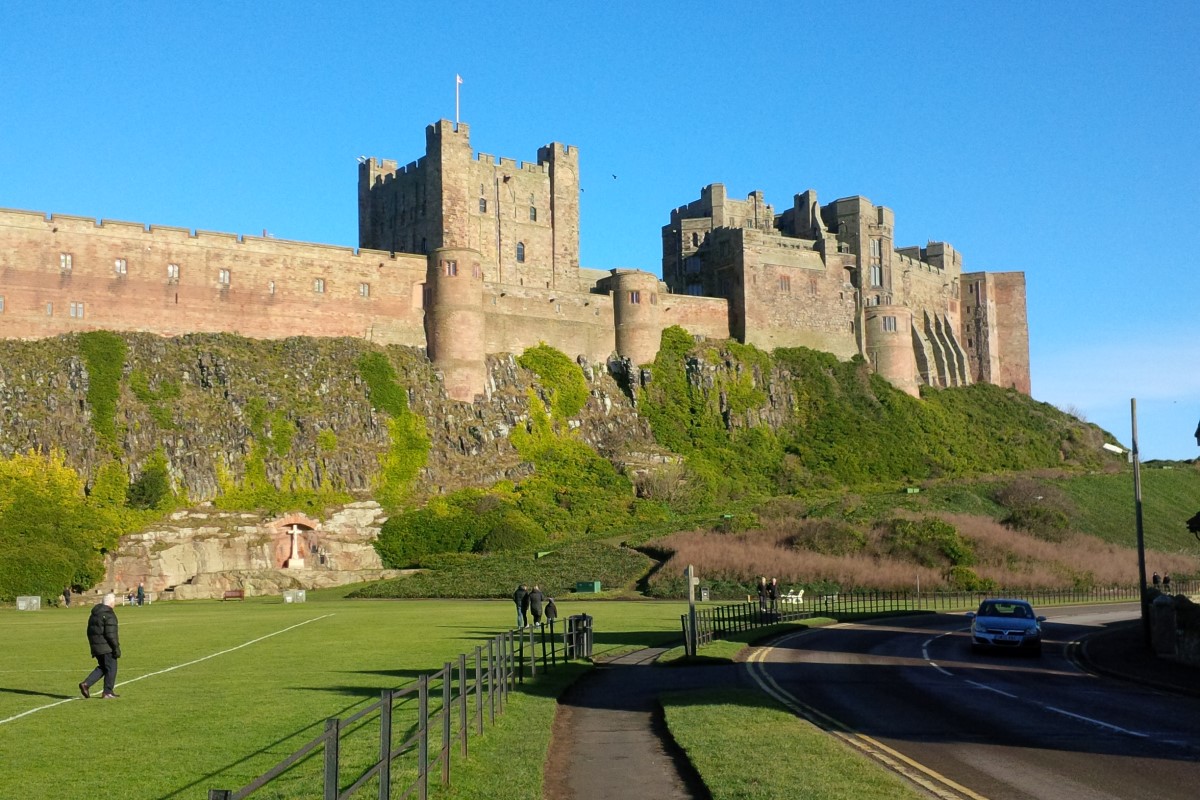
[(332, 731), (422, 737), (462, 703), (447, 685), (385, 744)]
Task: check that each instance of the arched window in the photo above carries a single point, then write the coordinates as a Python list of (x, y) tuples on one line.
[(520, 252)]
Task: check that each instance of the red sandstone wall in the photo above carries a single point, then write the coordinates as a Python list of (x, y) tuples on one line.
[(39, 296), (1012, 330)]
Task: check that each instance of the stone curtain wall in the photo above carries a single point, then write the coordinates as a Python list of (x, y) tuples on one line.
[(170, 281)]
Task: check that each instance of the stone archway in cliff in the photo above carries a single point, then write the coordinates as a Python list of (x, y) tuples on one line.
[(294, 538)]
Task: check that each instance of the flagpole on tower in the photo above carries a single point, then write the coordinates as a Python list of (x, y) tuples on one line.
[(457, 83)]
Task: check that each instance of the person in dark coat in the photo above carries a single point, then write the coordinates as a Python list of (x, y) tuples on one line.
[(521, 600), (141, 594), (67, 596), (536, 599), (551, 610), (105, 647), (762, 593), (773, 592)]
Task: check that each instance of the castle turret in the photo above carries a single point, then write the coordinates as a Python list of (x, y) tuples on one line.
[(888, 334), (637, 315), (563, 165), (454, 320)]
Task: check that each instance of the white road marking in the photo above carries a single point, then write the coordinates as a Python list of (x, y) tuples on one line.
[(169, 669)]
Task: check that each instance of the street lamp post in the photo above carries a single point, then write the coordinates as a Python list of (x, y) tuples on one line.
[(1137, 505)]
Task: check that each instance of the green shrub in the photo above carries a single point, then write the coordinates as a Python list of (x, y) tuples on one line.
[(560, 376), (498, 574), (151, 489), (964, 579), (929, 542)]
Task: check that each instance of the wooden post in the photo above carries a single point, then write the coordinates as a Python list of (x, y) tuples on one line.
[(332, 729), (385, 744)]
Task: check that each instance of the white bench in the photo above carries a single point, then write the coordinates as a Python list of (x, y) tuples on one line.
[(794, 596)]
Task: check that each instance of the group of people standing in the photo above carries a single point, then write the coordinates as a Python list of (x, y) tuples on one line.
[(532, 605), (768, 594), (1164, 583)]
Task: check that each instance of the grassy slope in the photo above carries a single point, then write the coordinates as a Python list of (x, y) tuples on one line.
[(1105, 506)]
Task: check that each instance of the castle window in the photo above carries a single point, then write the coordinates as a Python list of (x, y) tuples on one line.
[(49, 309), (483, 205), (172, 273), (533, 213), (364, 290), (319, 285), (450, 267), (889, 324), (654, 298), (876, 248), (64, 262), (119, 266), (1, 304), (785, 283), (970, 342), (520, 252), (77, 310), (876, 275), (424, 246), (223, 277), (270, 287), (695, 239), (635, 297)]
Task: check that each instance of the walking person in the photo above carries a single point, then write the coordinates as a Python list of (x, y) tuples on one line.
[(1166, 583), (762, 593), (105, 647), (141, 594), (536, 599), (773, 593), (551, 611), (67, 596), (521, 600), (1157, 580)]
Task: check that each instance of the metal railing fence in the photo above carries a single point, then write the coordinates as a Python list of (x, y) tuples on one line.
[(439, 710), (717, 622)]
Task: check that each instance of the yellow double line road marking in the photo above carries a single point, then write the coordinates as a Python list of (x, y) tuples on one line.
[(928, 779)]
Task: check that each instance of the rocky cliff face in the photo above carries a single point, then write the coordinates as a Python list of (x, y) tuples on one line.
[(206, 399)]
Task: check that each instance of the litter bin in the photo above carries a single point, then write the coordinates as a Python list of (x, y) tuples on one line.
[(703, 594)]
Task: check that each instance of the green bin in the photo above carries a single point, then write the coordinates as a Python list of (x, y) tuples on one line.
[(587, 586)]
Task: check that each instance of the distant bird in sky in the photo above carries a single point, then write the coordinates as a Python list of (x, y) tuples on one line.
[(614, 177)]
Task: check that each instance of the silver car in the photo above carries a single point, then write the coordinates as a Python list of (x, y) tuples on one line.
[(1006, 624)]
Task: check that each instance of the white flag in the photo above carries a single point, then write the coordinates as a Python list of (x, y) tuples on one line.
[(458, 78)]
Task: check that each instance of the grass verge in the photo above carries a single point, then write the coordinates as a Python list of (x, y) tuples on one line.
[(747, 747)]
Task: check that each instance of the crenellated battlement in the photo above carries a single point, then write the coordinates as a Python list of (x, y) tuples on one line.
[(66, 224)]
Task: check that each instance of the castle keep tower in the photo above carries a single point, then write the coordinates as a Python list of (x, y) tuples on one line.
[(522, 218), (454, 320)]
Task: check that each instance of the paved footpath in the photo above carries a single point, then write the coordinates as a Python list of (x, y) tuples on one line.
[(609, 738)]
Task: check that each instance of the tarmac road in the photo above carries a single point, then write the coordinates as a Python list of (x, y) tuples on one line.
[(909, 693)]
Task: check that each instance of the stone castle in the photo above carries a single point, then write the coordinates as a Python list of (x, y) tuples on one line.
[(465, 254)]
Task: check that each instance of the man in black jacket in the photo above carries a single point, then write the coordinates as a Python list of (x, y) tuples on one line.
[(105, 647), (521, 599)]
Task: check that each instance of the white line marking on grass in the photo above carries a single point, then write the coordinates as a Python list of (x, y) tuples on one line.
[(169, 669)]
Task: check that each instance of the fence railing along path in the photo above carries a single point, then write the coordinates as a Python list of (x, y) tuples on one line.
[(421, 724), (720, 621)]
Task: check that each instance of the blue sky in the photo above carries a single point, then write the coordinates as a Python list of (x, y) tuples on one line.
[(1055, 138)]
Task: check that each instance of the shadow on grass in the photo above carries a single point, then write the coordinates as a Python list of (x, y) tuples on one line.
[(29, 693)]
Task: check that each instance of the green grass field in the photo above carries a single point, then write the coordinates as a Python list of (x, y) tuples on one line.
[(213, 694)]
